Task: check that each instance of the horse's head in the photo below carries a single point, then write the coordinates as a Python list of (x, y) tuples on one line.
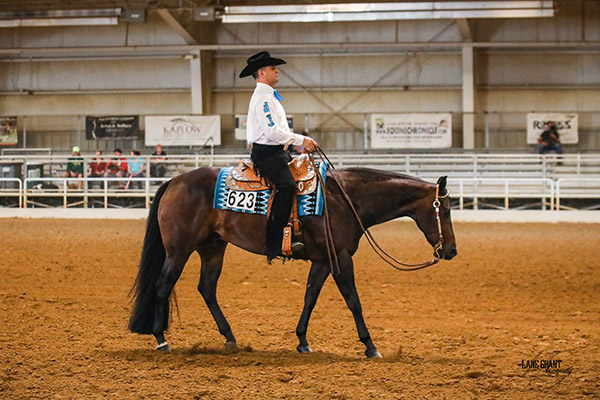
[(433, 217)]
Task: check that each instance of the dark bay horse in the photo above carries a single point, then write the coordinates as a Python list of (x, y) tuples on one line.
[(182, 220)]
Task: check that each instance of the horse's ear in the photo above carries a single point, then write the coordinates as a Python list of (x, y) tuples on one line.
[(442, 183)]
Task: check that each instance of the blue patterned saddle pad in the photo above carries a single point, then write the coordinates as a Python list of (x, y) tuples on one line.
[(257, 202)]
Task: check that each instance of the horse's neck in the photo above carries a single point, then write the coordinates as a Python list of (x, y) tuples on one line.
[(380, 196)]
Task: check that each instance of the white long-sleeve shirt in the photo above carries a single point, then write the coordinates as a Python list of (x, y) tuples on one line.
[(267, 122)]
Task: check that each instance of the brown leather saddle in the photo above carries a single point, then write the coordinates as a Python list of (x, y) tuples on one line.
[(244, 177)]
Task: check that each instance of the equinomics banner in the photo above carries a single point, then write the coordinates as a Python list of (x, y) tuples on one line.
[(119, 127), (183, 130), (567, 126), (411, 131)]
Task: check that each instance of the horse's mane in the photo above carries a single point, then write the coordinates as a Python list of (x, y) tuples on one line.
[(372, 174)]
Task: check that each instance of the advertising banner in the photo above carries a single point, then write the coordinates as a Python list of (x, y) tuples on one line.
[(8, 131), (566, 125), (119, 127), (411, 131), (240, 126), (183, 130)]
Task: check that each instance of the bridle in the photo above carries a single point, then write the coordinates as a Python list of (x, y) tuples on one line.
[(439, 246), (385, 256)]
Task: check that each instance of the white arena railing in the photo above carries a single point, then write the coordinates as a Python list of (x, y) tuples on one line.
[(474, 179), (476, 191), (577, 188), (79, 188), (502, 188), (458, 165), (12, 192)]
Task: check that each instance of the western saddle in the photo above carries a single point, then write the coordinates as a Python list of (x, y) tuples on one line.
[(243, 177)]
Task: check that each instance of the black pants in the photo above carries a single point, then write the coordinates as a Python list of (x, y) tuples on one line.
[(272, 164)]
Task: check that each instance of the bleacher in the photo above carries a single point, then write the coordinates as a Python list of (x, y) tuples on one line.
[(475, 180)]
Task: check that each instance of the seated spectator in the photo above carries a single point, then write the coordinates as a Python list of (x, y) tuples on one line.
[(157, 167), (135, 169), (75, 167), (117, 166), (549, 140), (97, 168)]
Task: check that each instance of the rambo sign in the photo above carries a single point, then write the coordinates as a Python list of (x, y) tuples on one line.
[(411, 131), (566, 125), (183, 130)]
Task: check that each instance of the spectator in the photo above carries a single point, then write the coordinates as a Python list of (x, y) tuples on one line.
[(157, 167), (97, 168), (135, 169), (75, 167), (117, 166), (549, 140)]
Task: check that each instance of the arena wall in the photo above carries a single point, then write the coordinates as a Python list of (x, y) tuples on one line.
[(510, 216), (331, 83)]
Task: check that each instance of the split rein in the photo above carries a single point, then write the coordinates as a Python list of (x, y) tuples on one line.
[(385, 256)]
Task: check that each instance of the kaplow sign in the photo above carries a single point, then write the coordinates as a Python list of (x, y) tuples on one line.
[(183, 130)]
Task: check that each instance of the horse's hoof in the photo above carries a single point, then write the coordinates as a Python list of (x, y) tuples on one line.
[(231, 346), (373, 354), (164, 346), (304, 349)]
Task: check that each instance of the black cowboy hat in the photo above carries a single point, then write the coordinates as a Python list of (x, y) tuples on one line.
[(258, 61)]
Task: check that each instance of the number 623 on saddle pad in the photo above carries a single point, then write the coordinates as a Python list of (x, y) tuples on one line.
[(235, 192)]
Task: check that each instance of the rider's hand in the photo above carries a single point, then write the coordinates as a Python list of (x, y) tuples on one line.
[(308, 145)]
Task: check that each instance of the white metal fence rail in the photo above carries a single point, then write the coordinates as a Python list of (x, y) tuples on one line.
[(547, 179), (502, 188), (84, 191), (11, 191), (577, 188), (422, 165)]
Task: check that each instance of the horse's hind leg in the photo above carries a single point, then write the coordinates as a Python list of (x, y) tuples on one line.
[(170, 273), (316, 277), (346, 285), (211, 254)]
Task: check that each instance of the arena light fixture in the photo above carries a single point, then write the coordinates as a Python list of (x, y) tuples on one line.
[(15, 23), (104, 16), (388, 11)]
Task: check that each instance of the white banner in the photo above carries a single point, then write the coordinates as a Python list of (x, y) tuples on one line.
[(240, 126), (183, 130), (566, 125), (411, 131)]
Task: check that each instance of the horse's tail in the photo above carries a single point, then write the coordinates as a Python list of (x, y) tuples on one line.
[(151, 263)]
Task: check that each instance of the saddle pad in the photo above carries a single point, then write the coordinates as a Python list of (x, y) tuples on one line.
[(257, 202)]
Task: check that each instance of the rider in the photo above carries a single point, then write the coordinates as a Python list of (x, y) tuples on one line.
[(269, 136)]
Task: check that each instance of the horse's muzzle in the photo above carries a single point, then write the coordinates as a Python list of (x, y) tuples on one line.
[(450, 254), (447, 254)]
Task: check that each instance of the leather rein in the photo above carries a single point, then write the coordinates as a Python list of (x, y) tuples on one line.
[(385, 256)]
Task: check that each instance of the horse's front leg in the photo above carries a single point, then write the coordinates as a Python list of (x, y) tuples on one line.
[(346, 285), (316, 277), (211, 255)]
